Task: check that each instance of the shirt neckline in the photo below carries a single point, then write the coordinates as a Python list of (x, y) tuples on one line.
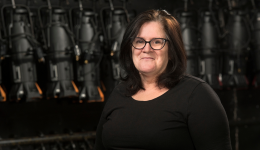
[(154, 99)]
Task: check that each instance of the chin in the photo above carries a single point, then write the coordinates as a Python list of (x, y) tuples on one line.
[(147, 68), (146, 71)]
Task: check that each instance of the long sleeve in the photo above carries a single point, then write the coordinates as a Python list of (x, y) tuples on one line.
[(207, 120), (98, 143), (111, 102)]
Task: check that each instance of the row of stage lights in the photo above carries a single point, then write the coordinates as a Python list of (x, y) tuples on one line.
[(69, 43), (80, 48), (53, 141), (222, 44)]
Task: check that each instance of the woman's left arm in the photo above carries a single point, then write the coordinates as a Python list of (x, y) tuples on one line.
[(207, 120)]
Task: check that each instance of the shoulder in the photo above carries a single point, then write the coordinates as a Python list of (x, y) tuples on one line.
[(189, 83), (120, 88), (189, 86), (118, 92), (191, 80), (198, 89), (116, 99)]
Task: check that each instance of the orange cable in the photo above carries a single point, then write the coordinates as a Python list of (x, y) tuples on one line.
[(38, 87), (75, 87), (3, 94)]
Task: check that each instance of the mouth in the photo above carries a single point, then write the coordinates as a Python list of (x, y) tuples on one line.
[(147, 58)]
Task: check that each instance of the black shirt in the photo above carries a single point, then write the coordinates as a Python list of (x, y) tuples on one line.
[(189, 116)]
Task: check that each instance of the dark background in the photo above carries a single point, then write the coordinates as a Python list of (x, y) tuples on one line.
[(55, 116)]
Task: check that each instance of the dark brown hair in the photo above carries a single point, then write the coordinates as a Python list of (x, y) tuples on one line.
[(177, 57)]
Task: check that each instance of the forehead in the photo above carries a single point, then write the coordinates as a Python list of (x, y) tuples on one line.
[(151, 30)]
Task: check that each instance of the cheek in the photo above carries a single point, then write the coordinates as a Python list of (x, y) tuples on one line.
[(135, 54), (164, 58), (164, 61), (134, 57)]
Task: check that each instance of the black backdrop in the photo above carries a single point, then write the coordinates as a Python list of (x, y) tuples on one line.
[(47, 116)]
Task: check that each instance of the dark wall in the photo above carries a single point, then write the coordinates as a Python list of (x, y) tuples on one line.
[(47, 116), (52, 115)]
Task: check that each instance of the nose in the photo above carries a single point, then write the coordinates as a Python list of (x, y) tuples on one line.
[(147, 48)]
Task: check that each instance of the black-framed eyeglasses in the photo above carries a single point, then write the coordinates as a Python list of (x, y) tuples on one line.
[(156, 43)]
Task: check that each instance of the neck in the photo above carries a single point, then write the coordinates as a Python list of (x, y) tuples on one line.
[(149, 81)]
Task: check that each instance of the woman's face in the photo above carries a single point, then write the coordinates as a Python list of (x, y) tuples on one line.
[(148, 61)]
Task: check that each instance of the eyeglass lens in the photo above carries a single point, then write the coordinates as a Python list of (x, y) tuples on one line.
[(156, 43)]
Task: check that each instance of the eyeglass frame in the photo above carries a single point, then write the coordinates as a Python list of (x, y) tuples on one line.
[(149, 42)]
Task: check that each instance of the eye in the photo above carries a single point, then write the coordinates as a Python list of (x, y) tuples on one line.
[(138, 41), (158, 41)]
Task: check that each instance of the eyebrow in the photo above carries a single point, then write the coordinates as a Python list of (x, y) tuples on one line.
[(152, 38)]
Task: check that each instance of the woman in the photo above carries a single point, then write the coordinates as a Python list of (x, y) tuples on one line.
[(157, 106)]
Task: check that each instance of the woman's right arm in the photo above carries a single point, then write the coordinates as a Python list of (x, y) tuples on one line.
[(103, 119), (99, 144)]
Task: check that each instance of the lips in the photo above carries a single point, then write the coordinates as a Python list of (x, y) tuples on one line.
[(147, 58)]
